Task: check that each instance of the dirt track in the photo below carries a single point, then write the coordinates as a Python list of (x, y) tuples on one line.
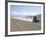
[(19, 25)]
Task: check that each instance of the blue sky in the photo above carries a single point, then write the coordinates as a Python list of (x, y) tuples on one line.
[(23, 10)]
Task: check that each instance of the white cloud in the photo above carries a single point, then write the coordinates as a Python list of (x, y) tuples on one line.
[(13, 13), (30, 13), (25, 13)]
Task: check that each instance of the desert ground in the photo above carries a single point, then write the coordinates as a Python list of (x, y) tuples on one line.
[(19, 25)]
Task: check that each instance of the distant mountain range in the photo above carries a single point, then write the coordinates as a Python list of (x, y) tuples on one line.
[(28, 16), (38, 16)]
